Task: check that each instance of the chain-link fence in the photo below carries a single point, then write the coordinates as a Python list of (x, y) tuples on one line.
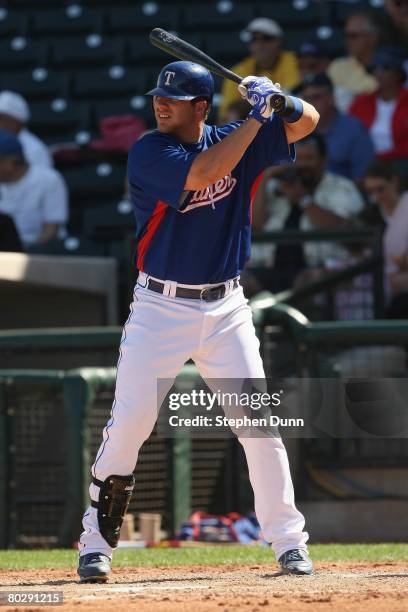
[(35, 452)]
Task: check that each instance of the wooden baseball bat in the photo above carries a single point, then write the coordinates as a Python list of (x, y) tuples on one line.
[(184, 51)]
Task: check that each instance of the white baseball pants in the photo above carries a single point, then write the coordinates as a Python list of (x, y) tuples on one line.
[(160, 335)]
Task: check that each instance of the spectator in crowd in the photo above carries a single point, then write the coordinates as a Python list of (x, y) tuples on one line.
[(395, 31), (382, 185), (14, 115), (267, 59), (313, 58), (351, 74), (35, 197), (348, 143), (305, 196), (385, 111), (9, 239)]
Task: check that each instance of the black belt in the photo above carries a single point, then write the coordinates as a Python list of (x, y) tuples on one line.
[(210, 294)]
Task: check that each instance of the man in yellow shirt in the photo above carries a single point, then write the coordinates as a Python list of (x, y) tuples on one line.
[(351, 74), (266, 59)]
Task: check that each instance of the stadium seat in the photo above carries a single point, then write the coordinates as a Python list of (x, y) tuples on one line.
[(342, 10), (226, 46), (37, 84), (89, 184), (11, 23), (138, 49), (141, 17), (86, 51), (108, 222), (108, 83), (58, 117), (216, 15), (69, 20), (300, 13), (330, 38), (293, 38), (108, 3), (133, 105), (21, 52), (34, 4)]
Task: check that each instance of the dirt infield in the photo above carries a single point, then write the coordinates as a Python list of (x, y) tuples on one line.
[(345, 587)]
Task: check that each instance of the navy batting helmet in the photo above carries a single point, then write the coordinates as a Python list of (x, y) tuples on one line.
[(184, 81)]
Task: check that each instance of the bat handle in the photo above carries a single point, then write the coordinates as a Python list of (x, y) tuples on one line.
[(278, 102)]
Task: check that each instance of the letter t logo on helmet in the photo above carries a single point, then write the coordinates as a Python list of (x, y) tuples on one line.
[(184, 80), (169, 76)]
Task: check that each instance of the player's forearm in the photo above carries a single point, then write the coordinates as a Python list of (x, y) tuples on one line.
[(219, 160), (303, 126)]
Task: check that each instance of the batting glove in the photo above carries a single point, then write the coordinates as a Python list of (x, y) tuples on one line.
[(259, 91)]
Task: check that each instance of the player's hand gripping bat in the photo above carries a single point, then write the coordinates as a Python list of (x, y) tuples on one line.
[(184, 51)]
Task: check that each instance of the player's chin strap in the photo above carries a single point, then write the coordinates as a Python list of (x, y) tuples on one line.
[(114, 497)]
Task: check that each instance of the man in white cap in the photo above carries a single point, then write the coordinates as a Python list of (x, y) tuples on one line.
[(14, 114), (267, 59)]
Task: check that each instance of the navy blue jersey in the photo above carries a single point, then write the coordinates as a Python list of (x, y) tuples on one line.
[(204, 236)]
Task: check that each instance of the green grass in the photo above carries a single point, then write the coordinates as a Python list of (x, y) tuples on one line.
[(211, 555)]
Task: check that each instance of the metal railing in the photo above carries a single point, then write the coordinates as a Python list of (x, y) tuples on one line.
[(331, 281)]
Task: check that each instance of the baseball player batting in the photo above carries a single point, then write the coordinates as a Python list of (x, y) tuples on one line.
[(192, 186)]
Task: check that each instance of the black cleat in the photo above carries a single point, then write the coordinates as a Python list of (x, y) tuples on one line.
[(94, 567), (296, 561)]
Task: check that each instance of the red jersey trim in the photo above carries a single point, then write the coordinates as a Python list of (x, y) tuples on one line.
[(254, 189), (152, 227)]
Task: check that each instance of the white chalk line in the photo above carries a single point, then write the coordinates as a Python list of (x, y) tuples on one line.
[(140, 589)]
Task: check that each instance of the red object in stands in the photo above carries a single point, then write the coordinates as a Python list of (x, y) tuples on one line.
[(118, 133)]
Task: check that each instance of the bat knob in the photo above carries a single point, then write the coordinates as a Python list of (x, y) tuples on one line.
[(278, 102)]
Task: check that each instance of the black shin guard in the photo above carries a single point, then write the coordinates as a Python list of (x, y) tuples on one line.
[(114, 497)]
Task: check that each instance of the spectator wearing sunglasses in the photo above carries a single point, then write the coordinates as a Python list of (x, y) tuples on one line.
[(385, 111), (351, 74), (267, 59)]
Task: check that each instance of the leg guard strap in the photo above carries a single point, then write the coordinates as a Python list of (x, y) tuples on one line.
[(114, 497)]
